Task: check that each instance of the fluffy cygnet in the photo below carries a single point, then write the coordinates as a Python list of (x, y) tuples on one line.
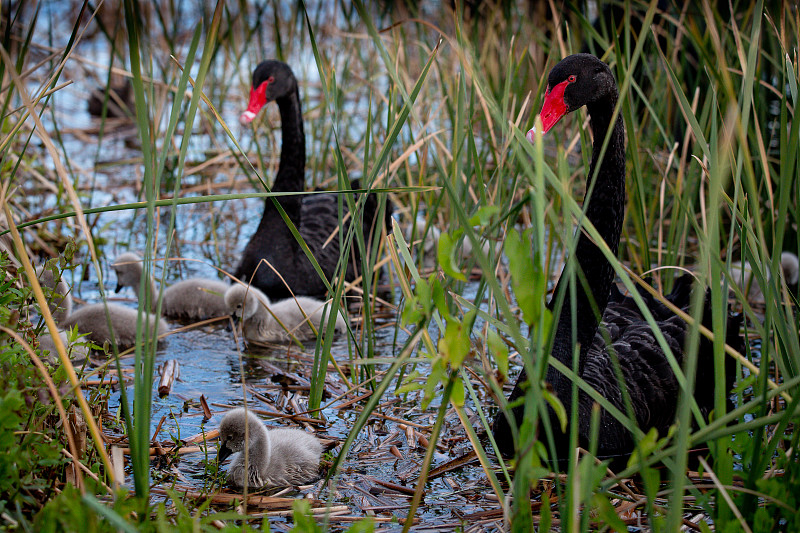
[(260, 317), (276, 457), (77, 352), (741, 276), (193, 298), (91, 319), (61, 303)]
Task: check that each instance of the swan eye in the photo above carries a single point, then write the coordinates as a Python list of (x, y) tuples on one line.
[(270, 79), (572, 78)]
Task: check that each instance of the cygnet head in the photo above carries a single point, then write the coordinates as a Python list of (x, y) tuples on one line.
[(128, 268), (232, 431), (790, 267), (245, 302)]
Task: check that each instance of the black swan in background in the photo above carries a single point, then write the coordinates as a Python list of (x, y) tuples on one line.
[(316, 216), (579, 80)]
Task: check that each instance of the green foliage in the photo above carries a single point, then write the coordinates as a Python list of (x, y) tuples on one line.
[(447, 256), (67, 512), (30, 439), (527, 275), (305, 522), (499, 351), (779, 495)]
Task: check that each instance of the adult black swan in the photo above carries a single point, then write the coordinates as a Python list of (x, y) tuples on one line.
[(580, 80), (316, 216)]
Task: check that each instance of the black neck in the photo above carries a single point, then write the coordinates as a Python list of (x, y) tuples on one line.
[(606, 210), (291, 171)]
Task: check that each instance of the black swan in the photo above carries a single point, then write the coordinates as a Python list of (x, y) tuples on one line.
[(189, 299), (276, 457), (578, 80), (316, 216)]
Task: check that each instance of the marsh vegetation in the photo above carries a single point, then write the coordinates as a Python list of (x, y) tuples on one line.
[(427, 107)]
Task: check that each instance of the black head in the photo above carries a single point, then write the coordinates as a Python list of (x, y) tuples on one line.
[(576, 81), (232, 433), (271, 81)]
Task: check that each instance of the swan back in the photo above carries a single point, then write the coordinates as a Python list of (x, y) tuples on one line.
[(77, 351), (276, 457), (790, 267), (299, 312), (91, 320), (195, 298)]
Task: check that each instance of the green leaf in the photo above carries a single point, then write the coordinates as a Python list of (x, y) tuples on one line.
[(303, 519), (484, 215), (447, 256), (434, 380), (499, 350), (363, 526), (607, 514), (455, 344), (557, 406), (458, 395), (437, 297), (522, 269)]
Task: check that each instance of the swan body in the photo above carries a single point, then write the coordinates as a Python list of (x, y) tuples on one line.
[(262, 319), (91, 319), (77, 352), (61, 302), (316, 216), (651, 385), (276, 457), (743, 276), (193, 298)]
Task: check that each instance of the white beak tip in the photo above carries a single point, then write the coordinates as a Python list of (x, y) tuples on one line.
[(247, 117)]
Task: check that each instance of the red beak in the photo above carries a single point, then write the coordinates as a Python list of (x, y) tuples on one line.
[(553, 108), (258, 98)]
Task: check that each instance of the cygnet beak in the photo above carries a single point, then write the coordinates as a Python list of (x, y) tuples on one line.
[(224, 452), (232, 323)]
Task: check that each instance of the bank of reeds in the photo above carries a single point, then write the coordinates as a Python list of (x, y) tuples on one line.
[(428, 107)]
